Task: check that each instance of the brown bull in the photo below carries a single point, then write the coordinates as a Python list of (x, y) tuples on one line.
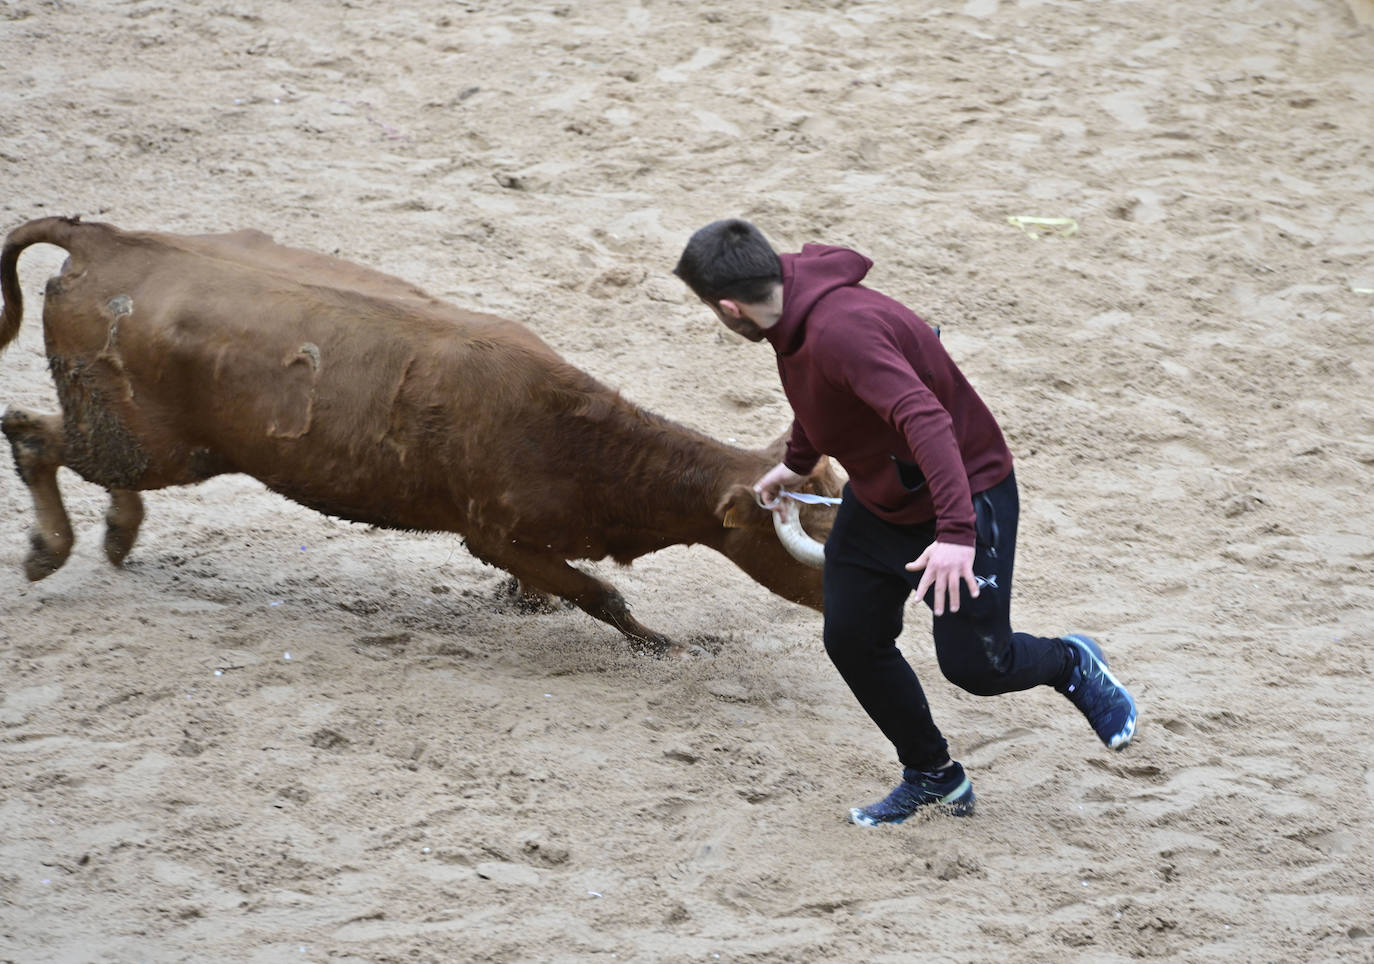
[(177, 358)]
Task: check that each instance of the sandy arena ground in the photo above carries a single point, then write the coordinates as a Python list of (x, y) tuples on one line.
[(276, 737)]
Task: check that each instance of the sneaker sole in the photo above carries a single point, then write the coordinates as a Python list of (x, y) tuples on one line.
[(1120, 739)]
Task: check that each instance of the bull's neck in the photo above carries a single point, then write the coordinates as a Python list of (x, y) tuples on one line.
[(677, 478)]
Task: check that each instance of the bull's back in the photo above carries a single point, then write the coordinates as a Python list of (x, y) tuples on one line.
[(254, 249), (368, 407)]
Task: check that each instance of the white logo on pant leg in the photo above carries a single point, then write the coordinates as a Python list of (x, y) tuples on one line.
[(989, 582)]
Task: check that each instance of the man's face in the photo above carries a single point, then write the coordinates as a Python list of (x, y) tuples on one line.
[(737, 323)]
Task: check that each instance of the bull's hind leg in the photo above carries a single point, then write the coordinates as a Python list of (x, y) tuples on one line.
[(551, 574), (36, 441), (122, 520)]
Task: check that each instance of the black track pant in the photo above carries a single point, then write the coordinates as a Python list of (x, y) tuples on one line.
[(866, 588)]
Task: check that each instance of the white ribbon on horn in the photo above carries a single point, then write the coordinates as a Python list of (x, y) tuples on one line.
[(810, 499)]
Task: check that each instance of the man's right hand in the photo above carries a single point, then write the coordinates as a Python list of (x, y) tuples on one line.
[(773, 481)]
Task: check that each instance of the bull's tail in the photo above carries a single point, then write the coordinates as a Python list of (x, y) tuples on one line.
[(56, 231)]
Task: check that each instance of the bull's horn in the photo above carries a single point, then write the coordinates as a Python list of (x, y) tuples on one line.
[(799, 545)]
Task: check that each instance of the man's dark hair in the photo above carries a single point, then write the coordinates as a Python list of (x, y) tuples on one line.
[(730, 259)]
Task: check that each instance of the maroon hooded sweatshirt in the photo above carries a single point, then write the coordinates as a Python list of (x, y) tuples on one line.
[(871, 386)]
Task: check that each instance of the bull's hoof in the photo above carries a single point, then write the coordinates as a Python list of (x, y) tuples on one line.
[(42, 562), (118, 543), (697, 646), (688, 651), (661, 647), (122, 521)]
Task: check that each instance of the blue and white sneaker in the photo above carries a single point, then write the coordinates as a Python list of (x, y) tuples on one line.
[(948, 791), (1098, 694)]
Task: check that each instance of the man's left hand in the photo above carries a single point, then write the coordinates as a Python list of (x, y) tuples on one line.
[(945, 564)]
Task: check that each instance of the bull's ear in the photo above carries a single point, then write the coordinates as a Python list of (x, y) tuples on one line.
[(736, 506)]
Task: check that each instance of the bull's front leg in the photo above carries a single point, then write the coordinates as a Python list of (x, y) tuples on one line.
[(36, 441), (552, 574)]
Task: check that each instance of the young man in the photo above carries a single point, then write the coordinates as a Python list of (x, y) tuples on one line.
[(931, 502)]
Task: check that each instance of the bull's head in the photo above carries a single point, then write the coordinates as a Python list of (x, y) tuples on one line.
[(786, 515), (782, 550)]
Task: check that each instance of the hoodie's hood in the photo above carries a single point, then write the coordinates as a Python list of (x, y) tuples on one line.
[(807, 277)]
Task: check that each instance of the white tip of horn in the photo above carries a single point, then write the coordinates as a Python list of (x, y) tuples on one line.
[(799, 545)]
